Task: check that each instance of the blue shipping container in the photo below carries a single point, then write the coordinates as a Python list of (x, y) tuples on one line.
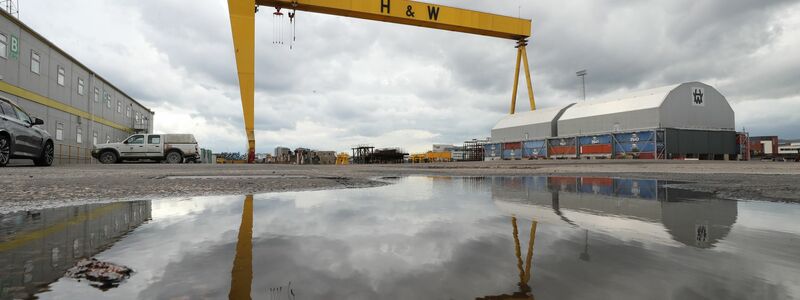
[(512, 154), (492, 150), (534, 149)]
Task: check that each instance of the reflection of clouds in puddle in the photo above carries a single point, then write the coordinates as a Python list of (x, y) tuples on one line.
[(451, 238), (171, 210)]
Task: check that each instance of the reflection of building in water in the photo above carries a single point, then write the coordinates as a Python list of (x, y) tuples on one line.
[(631, 205), (37, 247)]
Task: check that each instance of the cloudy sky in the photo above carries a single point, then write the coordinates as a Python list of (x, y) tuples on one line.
[(347, 82)]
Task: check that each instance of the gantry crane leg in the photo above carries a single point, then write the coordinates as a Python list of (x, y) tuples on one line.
[(243, 27), (522, 54)]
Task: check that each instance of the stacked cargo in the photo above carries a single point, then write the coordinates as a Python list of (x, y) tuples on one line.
[(534, 149), (596, 146), (562, 148), (512, 150)]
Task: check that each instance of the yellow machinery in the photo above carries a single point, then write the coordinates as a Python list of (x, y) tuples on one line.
[(242, 15), (416, 158), (430, 156), (342, 158)]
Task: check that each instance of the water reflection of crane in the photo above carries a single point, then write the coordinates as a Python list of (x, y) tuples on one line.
[(242, 272), (524, 291)]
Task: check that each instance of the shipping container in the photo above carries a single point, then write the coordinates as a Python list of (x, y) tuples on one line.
[(635, 144), (512, 150), (597, 185), (595, 146), (564, 184), (562, 148), (493, 151), (534, 149), (636, 188), (763, 146)]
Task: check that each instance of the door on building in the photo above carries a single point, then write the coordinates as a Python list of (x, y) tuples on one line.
[(153, 147), (134, 147)]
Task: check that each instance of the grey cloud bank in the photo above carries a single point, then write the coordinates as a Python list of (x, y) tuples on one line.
[(352, 81)]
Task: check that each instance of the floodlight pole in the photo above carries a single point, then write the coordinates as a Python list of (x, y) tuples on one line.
[(582, 75)]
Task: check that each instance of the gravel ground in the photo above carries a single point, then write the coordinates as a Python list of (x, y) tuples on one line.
[(32, 187)]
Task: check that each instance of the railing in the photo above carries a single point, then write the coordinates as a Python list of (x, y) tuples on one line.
[(71, 154)]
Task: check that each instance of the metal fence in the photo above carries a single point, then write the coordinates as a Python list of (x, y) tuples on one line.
[(70, 154)]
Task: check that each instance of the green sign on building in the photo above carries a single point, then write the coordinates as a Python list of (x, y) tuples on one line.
[(14, 47)]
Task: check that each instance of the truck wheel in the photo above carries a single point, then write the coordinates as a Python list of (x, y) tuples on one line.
[(108, 157), (5, 150), (46, 158), (174, 157)]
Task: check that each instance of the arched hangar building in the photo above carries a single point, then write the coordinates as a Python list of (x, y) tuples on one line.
[(688, 120)]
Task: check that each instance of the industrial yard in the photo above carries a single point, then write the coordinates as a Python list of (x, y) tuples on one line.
[(150, 150)]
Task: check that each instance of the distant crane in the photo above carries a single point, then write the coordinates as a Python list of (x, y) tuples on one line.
[(242, 15)]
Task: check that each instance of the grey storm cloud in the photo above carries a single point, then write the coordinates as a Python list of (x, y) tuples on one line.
[(362, 79)]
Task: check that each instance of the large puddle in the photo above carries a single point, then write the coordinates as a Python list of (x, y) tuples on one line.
[(421, 238)]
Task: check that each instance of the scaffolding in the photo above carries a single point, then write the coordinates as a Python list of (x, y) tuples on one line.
[(362, 154), (473, 150), (11, 7)]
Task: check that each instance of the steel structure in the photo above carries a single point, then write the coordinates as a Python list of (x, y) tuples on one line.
[(242, 15)]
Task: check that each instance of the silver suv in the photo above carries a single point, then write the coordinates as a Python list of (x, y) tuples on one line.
[(20, 137)]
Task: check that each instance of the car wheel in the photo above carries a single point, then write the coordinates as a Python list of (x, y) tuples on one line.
[(174, 157), (108, 157), (5, 150), (46, 158)]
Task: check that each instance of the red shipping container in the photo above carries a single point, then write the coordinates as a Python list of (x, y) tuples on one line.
[(596, 149), (512, 146), (561, 150), (599, 181), (563, 181)]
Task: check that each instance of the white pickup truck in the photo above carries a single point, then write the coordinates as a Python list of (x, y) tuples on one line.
[(172, 148)]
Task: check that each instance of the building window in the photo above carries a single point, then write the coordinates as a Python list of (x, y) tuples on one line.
[(80, 86), (79, 135), (94, 138), (61, 76), (128, 112), (96, 95), (136, 118), (35, 62), (107, 99), (59, 131), (119, 107), (3, 46)]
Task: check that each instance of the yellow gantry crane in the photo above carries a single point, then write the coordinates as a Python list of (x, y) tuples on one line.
[(242, 14)]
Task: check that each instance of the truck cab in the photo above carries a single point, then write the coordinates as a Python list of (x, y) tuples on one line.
[(172, 148)]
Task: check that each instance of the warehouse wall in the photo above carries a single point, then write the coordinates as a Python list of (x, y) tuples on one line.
[(702, 142), (101, 111)]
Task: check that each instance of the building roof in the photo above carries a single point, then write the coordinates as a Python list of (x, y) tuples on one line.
[(47, 42), (539, 116), (640, 100)]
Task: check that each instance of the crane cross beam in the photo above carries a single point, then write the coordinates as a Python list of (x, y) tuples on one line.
[(416, 14)]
